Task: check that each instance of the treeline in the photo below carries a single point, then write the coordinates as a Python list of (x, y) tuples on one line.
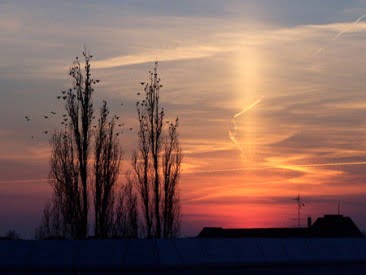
[(85, 165)]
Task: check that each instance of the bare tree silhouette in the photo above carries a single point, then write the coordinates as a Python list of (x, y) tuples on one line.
[(12, 235), (80, 110), (66, 208), (152, 185), (141, 167), (52, 225), (171, 161), (156, 164), (69, 164), (108, 156), (126, 224)]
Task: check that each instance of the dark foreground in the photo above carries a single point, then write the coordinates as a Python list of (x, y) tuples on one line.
[(185, 256)]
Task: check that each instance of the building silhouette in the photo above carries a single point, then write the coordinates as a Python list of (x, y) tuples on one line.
[(329, 226)]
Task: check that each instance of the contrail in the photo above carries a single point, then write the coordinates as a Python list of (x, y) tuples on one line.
[(339, 34), (2, 181), (347, 30), (248, 107), (232, 133)]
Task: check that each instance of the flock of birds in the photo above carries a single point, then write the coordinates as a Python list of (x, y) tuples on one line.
[(65, 119)]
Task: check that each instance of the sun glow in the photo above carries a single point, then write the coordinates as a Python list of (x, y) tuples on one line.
[(245, 123)]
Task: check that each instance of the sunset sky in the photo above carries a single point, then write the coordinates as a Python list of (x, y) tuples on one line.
[(271, 97)]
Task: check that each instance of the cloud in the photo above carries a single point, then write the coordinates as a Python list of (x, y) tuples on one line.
[(308, 130), (180, 53)]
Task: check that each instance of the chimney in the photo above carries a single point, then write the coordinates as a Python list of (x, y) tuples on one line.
[(309, 222)]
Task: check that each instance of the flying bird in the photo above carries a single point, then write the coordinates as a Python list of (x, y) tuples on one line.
[(59, 97), (138, 93), (131, 129), (45, 117), (63, 92), (46, 132), (53, 113), (142, 83), (64, 97)]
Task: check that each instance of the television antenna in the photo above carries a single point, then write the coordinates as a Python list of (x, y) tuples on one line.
[(300, 204)]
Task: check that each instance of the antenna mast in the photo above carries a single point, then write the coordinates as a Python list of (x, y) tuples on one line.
[(299, 205)]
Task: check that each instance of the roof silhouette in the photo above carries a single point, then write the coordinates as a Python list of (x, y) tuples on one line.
[(335, 226), (329, 226)]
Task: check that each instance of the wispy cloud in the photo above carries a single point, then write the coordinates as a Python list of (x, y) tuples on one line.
[(173, 54), (304, 119)]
